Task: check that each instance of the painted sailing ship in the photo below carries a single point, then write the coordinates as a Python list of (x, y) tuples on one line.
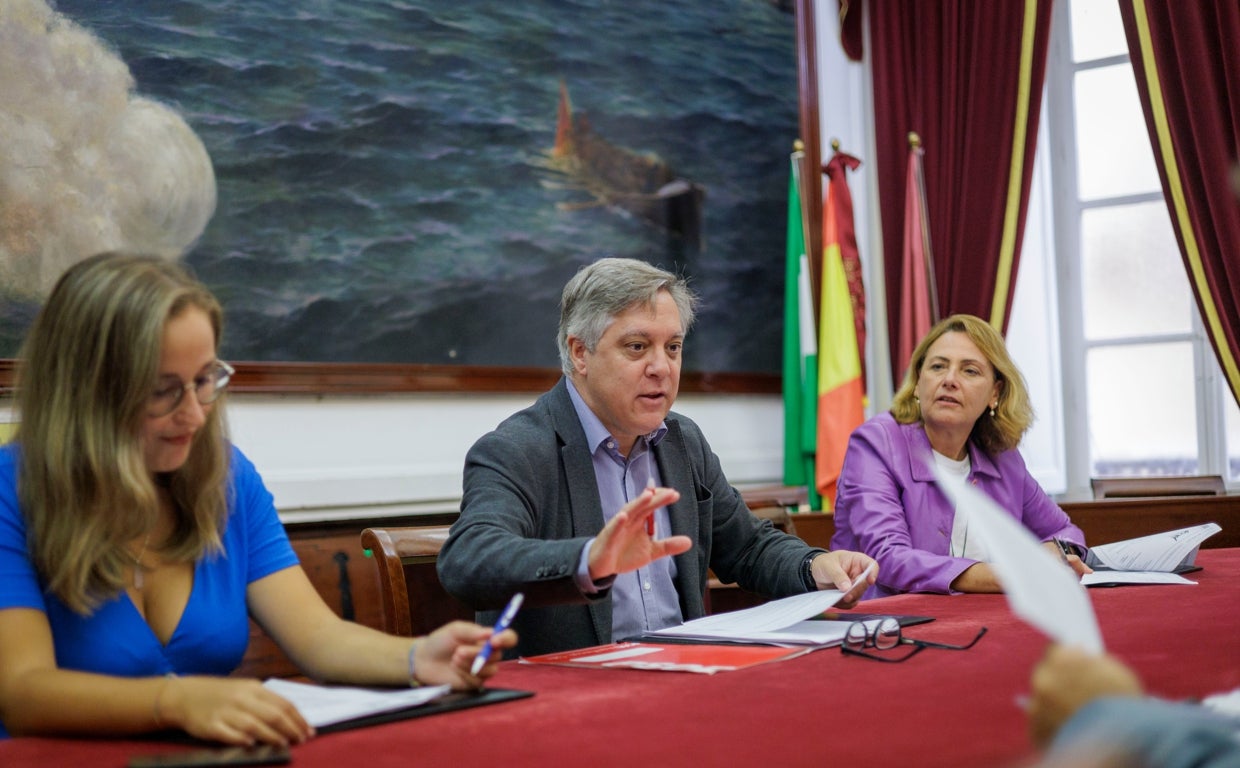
[(640, 183)]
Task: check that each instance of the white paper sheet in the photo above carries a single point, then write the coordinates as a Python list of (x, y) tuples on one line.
[(776, 622), (327, 704), (1157, 552), (1039, 587), (821, 633), (1109, 578), (1225, 703)]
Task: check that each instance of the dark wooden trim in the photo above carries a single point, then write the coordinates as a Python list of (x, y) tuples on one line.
[(7, 370), (363, 378), (375, 378)]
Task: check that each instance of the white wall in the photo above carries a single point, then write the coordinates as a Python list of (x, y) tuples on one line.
[(341, 457)]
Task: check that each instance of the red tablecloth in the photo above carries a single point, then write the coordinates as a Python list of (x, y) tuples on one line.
[(942, 708)]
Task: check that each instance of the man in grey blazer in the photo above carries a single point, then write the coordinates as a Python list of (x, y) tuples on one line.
[(601, 505)]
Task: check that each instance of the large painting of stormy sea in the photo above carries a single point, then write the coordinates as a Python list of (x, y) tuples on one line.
[(391, 189)]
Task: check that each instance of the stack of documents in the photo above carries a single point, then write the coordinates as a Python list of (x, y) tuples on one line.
[(323, 705), (1155, 559), (786, 622)]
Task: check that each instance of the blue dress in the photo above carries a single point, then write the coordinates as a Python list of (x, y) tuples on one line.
[(214, 631)]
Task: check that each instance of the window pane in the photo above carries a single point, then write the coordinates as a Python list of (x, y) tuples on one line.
[(1112, 145), (1142, 410), (1133, 279), (1097, 30), (1232, 422)]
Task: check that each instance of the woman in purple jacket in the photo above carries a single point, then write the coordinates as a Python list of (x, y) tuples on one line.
[(964, 407)]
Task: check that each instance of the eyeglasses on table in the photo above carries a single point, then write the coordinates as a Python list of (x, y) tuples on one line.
[(885, 635)]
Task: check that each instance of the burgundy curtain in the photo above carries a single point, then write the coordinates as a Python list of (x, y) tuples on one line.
[(1186, 56), (852, 32), (967, 77)]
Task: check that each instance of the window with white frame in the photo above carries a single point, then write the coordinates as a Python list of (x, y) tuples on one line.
[(1142, 389)]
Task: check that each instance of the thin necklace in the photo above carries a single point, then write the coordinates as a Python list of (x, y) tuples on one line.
[(138, 568)]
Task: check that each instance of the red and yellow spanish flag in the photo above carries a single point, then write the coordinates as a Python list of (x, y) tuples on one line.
[(841, 390)]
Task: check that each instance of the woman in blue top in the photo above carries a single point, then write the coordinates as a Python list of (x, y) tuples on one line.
[(135, 541)]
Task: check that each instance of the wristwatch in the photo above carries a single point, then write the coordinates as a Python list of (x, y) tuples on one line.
[(811, 584)]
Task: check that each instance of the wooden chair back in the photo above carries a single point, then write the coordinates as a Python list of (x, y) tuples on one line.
[(412, 601), (341, 574)]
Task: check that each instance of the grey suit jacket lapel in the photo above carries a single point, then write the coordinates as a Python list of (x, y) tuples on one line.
[(583, 499), (677, 472)]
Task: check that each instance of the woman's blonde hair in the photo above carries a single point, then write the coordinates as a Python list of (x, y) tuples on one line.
[(1013, 414), (86, 371)]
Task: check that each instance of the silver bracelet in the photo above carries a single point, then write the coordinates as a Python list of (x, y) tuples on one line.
[(413, 680)]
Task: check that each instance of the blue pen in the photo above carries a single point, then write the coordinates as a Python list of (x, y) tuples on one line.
[(505, 619)]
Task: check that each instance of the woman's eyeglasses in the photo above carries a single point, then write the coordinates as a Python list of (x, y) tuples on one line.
[(207, 387), (885, 635)]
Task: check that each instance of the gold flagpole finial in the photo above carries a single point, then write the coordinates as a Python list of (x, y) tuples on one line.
[(798, 145), (835, 145), (914, 140)]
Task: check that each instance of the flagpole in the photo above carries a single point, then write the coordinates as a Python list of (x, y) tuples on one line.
[(807, 93), (914, 143), (798, 172)]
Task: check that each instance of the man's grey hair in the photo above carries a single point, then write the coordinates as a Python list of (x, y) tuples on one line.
[(602, 290)]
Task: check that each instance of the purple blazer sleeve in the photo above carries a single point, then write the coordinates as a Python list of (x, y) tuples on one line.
[(889, 506)]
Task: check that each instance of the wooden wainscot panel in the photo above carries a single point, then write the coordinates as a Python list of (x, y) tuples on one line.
[(1116, 519)]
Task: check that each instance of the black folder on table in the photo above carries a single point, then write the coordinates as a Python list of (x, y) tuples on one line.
[(449, 702)]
